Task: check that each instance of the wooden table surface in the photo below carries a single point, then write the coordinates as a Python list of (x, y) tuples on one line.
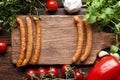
[(8, 71)]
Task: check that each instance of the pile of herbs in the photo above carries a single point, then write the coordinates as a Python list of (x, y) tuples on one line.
[(9, 9), (106, 13)]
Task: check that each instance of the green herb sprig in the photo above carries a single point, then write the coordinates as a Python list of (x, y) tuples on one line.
[(107, 14), (10, 8)]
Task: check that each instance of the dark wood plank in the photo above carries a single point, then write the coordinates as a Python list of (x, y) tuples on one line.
[(6, 58), (6, 36), (7, 69), (59, 40), (61, 11), (60, 3)]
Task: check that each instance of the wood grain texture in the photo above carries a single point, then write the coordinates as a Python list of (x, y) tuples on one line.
[(6, 36), (9, 71), (59, 40)]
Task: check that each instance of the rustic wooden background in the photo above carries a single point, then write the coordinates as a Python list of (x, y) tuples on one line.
[(8, 70)]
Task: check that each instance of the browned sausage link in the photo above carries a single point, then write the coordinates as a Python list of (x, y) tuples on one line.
[(29, 42), (80, 32), (22, 42), (36, 55), (88, 47)]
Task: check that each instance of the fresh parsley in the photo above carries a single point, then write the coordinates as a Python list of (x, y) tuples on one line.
[(107, 14), (9, 9)]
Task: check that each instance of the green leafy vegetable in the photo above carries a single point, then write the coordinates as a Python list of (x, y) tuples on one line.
[(107, 14), (10, 8)]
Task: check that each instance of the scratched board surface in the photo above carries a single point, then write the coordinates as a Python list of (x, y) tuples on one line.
[(59, 40)]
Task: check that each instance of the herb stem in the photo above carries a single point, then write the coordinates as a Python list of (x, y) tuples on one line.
[(116, 18), (113, 22)]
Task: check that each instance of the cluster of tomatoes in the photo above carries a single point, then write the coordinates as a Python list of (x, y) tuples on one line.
[(52, 73)]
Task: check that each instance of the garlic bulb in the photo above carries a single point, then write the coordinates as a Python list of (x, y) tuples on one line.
[(72, 6)]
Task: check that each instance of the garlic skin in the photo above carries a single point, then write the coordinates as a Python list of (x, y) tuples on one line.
[(72, 6)]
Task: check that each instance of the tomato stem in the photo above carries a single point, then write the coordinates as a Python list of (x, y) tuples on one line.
[(36, 78), (41, 78), (44, 5)]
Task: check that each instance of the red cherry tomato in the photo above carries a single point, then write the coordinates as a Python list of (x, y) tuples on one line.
[(52, 72), (31, 73), (3, 46), (52, 5), (41, 72), (78, 75), (66, 69)]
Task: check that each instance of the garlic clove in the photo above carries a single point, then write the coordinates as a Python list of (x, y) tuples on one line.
[(116, 55), (102, 54)]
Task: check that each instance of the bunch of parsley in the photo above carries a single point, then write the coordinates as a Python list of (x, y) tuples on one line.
[(9, 9), (107, 14)]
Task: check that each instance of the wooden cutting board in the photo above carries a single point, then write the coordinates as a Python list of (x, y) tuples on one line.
[(59, 40)]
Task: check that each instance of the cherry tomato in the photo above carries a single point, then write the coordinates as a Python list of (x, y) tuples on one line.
[(78, 75), (52, 72), (66, 68), (41, 72), (3, 46), (31, 73), (67, 71), (51, 5)]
